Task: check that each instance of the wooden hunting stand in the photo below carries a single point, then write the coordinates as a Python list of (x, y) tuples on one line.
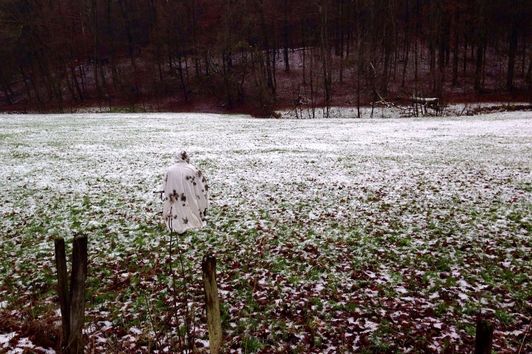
[(423, 104)]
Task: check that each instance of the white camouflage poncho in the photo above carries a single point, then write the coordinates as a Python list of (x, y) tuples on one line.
[(185, 197)]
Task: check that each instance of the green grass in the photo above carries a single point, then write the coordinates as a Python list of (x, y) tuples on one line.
[(360, 220)]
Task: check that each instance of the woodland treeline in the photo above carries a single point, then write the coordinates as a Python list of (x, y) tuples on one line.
[(259, 54)]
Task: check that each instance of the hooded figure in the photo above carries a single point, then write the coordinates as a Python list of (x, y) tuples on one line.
[(185, 196)]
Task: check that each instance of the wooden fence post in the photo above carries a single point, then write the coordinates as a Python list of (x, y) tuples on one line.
[(77, 294), (214, 323), (72, 302), (62, 289), (483, 337)]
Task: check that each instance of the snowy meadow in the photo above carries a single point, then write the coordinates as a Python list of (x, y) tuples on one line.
[(332, 235)]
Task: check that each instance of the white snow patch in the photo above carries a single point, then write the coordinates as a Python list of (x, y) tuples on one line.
[(6, 337)]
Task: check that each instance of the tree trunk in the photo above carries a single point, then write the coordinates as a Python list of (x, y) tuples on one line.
[(529, 74), (478, 68), (511, 58), (325, 55), (285, 37), (455, 58)]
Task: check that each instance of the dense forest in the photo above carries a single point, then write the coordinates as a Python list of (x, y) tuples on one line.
[(257, 55)]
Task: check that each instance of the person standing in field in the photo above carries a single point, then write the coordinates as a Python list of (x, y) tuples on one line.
[(185, 196)]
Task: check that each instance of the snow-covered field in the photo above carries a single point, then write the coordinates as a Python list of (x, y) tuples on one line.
[(331, 235)]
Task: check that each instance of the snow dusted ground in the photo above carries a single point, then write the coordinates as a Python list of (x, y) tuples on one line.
[(331, 235)]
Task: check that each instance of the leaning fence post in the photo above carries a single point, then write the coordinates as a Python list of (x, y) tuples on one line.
[(62, 289), (214, 323), (483, 337), (77, 294)]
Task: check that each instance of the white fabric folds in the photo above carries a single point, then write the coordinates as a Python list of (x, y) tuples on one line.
[(185, 197)]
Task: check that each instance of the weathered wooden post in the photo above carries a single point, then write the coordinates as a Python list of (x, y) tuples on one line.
[(77, 294), (62, 289), (72, 302), (214, 323), (483, 337)]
